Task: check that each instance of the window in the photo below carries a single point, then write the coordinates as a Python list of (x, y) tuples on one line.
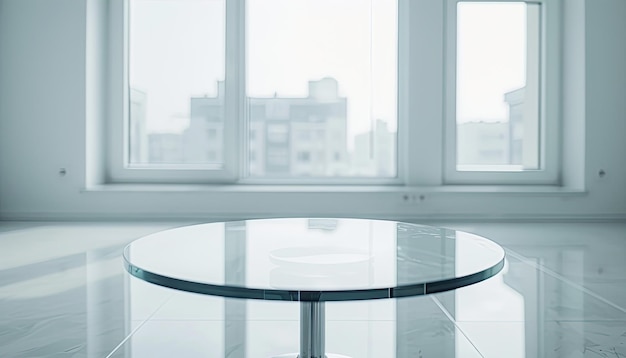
[(304, 157), (169, 61), (173, 81), (499, 124), (322, 76), (236, 91), (227, 77)]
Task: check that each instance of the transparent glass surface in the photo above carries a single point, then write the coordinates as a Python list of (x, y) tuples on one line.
[(498, 86), (321, 88), (313, 259), (176, 72)]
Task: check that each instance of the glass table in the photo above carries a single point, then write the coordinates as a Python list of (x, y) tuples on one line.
[(313, 260)]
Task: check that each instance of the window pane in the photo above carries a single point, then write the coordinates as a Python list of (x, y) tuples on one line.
[(176, 74), (498, 75), (321, 87)]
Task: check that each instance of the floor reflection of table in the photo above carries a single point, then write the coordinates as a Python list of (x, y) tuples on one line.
[(313, 260)]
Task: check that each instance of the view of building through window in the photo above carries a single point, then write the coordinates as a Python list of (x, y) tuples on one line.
[(498, 76), (287, 137)]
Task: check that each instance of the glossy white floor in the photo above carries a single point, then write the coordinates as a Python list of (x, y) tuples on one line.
[(63, 293)]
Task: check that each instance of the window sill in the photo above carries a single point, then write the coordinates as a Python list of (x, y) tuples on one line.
[(532, 190)]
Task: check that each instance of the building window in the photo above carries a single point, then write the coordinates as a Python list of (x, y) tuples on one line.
[(277, 133), (304, 157)]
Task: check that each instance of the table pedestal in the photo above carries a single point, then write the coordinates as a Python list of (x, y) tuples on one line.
[(312, 332), (312, 329)]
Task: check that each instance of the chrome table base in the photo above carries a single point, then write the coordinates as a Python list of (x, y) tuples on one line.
[(312, 329), (312, 333)]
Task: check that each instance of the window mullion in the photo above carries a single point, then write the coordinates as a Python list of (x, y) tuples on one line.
[(551, 86), (424, 136), (450, 58), (117, 110), (234, 88), (404, 62)]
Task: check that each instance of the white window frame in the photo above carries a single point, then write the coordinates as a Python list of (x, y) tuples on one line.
[(549, 102), (119, 169), (234, 170), (426, 86)]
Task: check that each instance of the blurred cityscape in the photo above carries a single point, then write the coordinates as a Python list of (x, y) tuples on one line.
[(308, 137)]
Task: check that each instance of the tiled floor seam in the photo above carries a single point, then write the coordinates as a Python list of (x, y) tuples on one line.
[(445, 311), (138, 327)]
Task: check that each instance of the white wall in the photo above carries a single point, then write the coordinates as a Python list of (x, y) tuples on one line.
[(47, 96)]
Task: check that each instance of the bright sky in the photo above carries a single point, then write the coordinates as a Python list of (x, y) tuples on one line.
[(177, 51), (491, 53)]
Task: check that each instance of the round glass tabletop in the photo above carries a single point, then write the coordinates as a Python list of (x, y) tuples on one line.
[(313, 259)]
